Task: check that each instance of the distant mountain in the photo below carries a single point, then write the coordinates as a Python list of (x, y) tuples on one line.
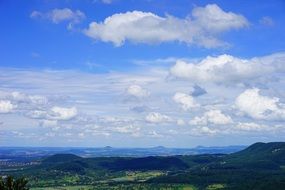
[(21, 153)]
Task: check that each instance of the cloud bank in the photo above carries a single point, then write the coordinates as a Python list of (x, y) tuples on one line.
[(227, 68)]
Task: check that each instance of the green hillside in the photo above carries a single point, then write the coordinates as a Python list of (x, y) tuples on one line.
[(260, 166), (59, 158), (258, 155), (274, 151)]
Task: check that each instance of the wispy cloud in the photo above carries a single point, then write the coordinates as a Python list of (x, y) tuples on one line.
[(57, 16)]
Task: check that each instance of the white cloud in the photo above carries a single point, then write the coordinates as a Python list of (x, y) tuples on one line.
[(127, 129), (137, 91), (204, 131), (17, 96), (257, 106), (252, 127), (180, 122), (155, 117), (60, 15), (154, 134), (37, 114), (25, 98), (144, 27), (51, 124), (226, 68), (53, 114), (213, 18), (6, 106), (99, 96), (36, 99), (48, 123), (61, 113), (214, 69), (212, 117), (185, 101)]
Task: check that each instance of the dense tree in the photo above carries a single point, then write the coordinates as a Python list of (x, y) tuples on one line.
[(9, 183)]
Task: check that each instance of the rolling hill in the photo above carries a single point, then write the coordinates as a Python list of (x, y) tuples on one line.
[(256, 156), (259, 166)]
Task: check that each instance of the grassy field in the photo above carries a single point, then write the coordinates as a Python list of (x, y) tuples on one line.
[(132, 180), (63, 188), (216, 186), (124, 187), (137, 176)]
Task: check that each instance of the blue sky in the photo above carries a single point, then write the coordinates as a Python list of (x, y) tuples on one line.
[(132, 73)]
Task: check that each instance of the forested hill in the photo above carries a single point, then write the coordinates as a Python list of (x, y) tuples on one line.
[(258, 154), (274, 151), (259, 166)]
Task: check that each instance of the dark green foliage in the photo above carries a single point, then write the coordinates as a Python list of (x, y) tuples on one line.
[(235, 179), (147, 163), (258, 167), (73, 167), (9, 183), (274, 152), (58, 158), (258, 156)]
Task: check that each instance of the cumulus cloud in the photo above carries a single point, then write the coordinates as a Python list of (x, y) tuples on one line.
[(201, 28), (19, 97), (185, 101), (252, 127), (39, 100), (97, 97), (35, 107), (137, 91), (54, 113), (57, 16), (48, 123), (155, 117), (61, 113), (180, 122), (204, 131), (6, 106), (31, 99), (257, 106), (128, 129), (212, 117), (226, 68)]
